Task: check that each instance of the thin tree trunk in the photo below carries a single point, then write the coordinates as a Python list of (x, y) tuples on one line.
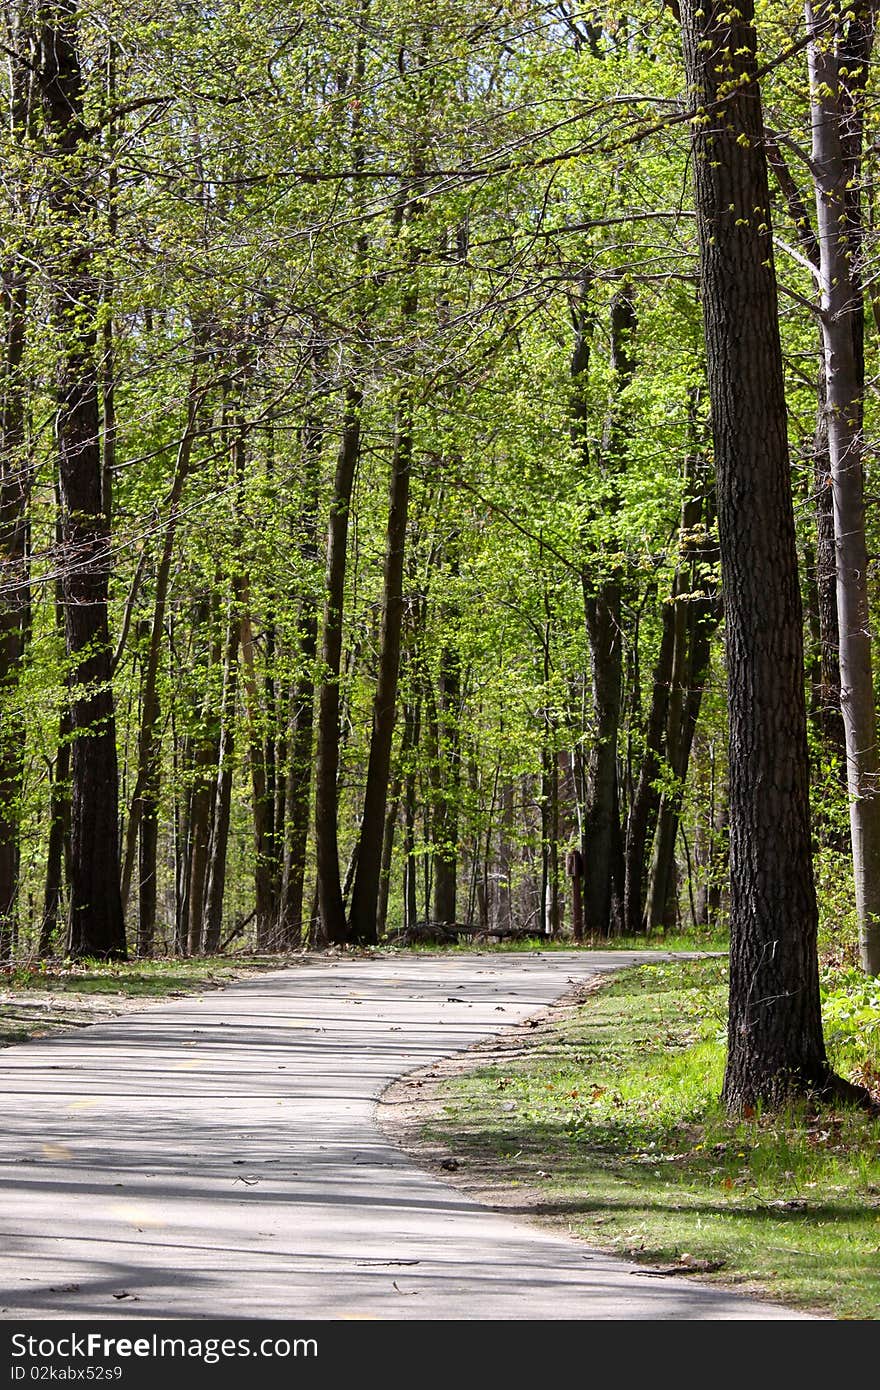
[(830, 717), (59, 834), (412, 717), (262, 805), (332, 908), (840, 318), (16, 474), (646, 797), (365, 897), (447, 787), (145, 798), (292, 930), (15, 486), (696, 613), (222, 808)]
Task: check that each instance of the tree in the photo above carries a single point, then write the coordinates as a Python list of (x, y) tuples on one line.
[(96, 920), (775, 1041), (839, 51)]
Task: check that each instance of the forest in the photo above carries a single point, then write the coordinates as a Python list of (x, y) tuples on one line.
[(436, 448)]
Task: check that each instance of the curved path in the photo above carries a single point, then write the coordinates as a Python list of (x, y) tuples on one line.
[(216, 1157)]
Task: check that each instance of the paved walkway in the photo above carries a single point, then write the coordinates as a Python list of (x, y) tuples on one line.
[(216, 1157)]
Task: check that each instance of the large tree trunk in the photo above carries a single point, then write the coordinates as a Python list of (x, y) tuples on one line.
[(96, 917), (840, 318), (775, 1043), (603, 835)]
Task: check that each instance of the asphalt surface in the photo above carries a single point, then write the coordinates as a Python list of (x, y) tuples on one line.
[(216, 1157)]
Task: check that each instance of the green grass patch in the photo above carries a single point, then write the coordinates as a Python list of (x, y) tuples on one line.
[(613, 1124), (39, 997), (692, 941)]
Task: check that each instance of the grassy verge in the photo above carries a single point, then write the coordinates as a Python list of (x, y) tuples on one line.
[(611, 1126), (43, 997), (693, 941)]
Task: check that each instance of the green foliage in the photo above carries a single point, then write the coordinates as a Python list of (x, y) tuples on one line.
[(614, 1120)]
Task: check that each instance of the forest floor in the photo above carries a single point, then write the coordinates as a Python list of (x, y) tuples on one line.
[(603, 1121)]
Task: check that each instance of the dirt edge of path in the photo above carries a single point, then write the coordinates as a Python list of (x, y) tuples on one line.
[(406, 1107)]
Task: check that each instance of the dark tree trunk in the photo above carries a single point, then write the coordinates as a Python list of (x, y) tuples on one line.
[(331, 905), (215, 888), (775, 1029), (96, 917), (262, 805), (302, 714), (207, 756), (603, 836), (646, 798), (365, 897), (695, 616)]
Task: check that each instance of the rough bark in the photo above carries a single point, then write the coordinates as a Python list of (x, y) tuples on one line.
[(775, 1043), (96, 917), (775, 1026), (603, 835)]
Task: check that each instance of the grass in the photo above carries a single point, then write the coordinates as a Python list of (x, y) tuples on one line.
[(694, 941), (39, 997), (611, 1125)]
